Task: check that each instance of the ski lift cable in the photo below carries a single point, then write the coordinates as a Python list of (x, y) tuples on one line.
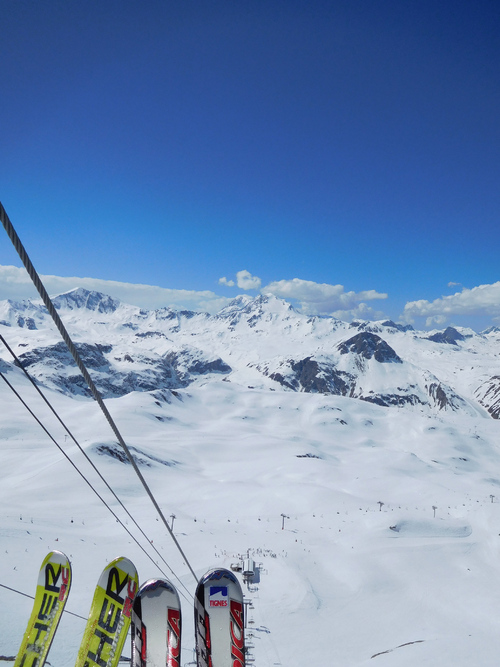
[(84, 478), (31, 597), (16, 241), (19, 363)]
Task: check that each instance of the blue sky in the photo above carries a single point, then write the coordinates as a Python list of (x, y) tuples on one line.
[(342, 154)]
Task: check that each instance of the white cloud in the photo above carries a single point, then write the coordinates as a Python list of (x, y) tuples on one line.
[(245, 280), (324, 299), (15, 284), (481, 300), (225, 281), (438, 320), (361, 312)]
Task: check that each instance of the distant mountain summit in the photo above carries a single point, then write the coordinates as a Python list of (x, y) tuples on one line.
[(259, 342), (449, 336), (82, 298), (252, 311), (370, 345)]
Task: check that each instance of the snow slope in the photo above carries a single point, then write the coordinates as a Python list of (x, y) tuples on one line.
[(390, 549)]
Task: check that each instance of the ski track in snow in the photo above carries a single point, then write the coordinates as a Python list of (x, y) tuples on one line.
[(392, 532)]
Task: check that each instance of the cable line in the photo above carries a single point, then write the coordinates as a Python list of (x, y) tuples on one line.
[(83, 477), (31, 597), (16, 241), (19, 363)]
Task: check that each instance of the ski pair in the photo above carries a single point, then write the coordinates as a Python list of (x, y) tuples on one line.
[(109, 618), (219, 623)]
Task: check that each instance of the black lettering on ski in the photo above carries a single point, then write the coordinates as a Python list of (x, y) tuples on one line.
[(96, 657), (52, 577), (33, 664), (106, 617), (115, 586), (47, 607), (40, 627)]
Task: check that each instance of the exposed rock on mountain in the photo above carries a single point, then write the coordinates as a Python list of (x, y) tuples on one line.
[(24, 314), (449, 336), (310, 376), (140, 457), (53, 365), (399, 327), (488, 394), (370, 345), (398, 400), (189, 362), (379, 327), (27, 322), (444, 397)]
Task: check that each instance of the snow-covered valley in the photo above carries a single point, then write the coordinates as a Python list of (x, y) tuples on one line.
[(374, 447)]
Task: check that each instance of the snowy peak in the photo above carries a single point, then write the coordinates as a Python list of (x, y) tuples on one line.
[(251, 311), (398, 327), (23, 314), (380, 326), (450, 336), (82, 298), (491, 330), (369, 345), (236, 305)]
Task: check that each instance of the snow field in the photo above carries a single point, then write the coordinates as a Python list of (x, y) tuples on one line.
[(337, 585)]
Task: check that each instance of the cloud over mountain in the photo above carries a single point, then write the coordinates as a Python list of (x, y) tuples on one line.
[(16, 284), (480, 300), (322, 298)]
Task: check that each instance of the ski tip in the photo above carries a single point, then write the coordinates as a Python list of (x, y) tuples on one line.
[(124, 564), (57, 557), (157, 585), (217, 574)]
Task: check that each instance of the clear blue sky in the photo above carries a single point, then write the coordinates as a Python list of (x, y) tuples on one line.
[(344, 142)]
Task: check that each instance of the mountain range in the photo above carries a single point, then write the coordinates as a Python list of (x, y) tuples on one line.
[(261, 342)]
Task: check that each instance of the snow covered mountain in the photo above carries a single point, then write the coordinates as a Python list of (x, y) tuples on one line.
[(260, 341), (357, 463)]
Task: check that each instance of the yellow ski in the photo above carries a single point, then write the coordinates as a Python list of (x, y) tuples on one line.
[(110, 615), (54, 581)]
